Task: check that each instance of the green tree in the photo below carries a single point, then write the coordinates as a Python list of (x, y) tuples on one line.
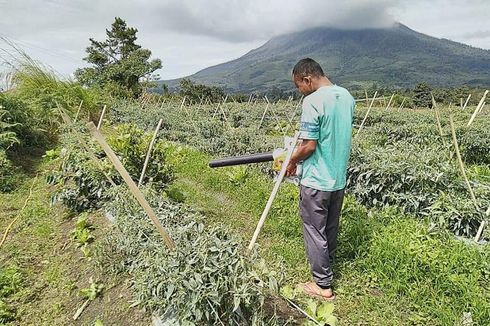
[(119, 65), (421, 96), (197, 92)]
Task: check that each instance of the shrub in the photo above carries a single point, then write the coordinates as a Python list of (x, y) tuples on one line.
[(9, 176), (131, 144), (84, 183)]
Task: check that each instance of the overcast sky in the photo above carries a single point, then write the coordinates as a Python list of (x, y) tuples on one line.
[(189, 35)]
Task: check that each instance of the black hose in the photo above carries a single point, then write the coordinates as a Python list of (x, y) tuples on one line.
[(244, 159)]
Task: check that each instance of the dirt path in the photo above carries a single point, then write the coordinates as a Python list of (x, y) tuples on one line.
[(49, 268)]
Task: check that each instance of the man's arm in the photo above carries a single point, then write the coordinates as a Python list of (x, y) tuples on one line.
[(302, 152)]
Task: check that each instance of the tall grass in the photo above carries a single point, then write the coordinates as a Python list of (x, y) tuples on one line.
[(44, 91)]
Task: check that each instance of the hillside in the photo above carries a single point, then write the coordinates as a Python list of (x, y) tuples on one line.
[(396, 57)]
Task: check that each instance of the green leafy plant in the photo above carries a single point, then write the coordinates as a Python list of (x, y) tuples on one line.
[(322, 312), (90, 294), (10, 283), (81, 234), (9, 177)]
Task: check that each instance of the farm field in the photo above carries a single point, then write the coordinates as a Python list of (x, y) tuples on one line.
[(407, 254)]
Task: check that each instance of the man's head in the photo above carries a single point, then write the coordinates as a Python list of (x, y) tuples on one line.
[(307, 75)]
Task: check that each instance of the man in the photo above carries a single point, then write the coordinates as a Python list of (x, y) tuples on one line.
[(325, 134)]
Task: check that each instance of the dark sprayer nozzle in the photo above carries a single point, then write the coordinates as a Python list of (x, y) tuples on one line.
[(244, 159)]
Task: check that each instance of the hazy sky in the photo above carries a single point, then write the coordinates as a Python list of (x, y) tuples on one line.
[(189, 35)]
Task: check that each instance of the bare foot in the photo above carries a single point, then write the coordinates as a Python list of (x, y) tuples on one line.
[(312, 289)]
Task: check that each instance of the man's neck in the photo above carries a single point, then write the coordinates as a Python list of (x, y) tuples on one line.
[(322, 81)]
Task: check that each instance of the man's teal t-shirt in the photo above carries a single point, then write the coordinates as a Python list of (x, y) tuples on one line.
[(327, 117)]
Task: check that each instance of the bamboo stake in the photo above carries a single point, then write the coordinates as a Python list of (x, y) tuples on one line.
[(460, 161), (274, 192), (403, 102), (272, 111), (467, 100), (263, 115), (132, 186), (478, 108), (101, 117), (293, 115), (223, 112), (67, 121), (365, 117), (150, 147), (78, 111), (480, 231), (182, 104), (389, 103), (461, 102), (302, 311), (481, 109), (439, 125), (365, 93)]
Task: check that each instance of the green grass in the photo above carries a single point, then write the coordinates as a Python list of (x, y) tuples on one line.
[(390, 269)]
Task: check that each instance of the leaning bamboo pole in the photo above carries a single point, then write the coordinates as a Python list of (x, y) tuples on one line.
[(460, 161), (473, 116), (467, 100), (365, 117), (150, 148), (78, 111), (101, 118), (389, 103), (132, 186), (463, 172), (273, 194)]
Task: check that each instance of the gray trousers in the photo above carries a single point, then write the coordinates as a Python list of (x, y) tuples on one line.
[(320, 211)]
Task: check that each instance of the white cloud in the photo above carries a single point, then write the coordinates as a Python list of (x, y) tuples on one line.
[(189, 35)]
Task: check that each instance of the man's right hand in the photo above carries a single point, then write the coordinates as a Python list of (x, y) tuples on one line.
[(291, 169)]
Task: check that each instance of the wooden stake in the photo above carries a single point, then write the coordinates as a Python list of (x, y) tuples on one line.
[(467, 100), (481, 109), (438, 123), (272, 111), (478, 108), (389, 103), (461, 102), (480, 231), (403, 102), (182, 104), (365, 117), (365, 93), (101, 117), (67, 121), (147, 159), (78, 111), (263, 115), (460, 161), (132, 186), (274, 192), (293, 115)]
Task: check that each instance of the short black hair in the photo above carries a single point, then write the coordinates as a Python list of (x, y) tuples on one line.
[(308, 66)]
